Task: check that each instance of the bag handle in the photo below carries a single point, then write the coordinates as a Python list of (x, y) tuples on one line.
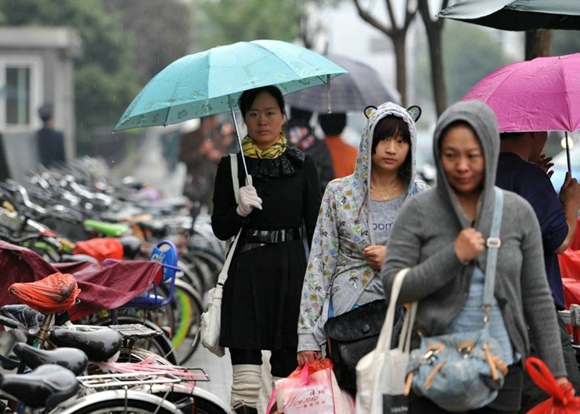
[(232, 247), (386, 334)]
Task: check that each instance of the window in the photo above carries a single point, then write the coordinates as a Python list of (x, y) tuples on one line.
[(17, 95), (20, 92)]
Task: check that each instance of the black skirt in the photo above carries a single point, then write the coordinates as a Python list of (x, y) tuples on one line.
[(261, 298)]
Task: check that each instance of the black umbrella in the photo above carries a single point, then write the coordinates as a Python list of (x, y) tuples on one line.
[(353, 91), (517, 15)]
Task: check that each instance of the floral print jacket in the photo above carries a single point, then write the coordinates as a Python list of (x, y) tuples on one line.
[(342, 232)]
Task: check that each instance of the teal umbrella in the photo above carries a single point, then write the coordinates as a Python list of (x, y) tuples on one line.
[(517, 15), (211, 82)]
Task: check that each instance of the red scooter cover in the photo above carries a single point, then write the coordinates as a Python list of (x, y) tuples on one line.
[(103, 285)]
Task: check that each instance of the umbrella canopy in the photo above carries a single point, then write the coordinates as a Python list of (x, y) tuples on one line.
[(360, 87), (542, 94), (517, 15), (211, 82)]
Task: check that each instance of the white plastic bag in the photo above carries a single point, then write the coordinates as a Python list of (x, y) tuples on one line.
[(381, 373)]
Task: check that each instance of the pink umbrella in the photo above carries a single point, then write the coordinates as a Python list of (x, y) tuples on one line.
[(542, 94)]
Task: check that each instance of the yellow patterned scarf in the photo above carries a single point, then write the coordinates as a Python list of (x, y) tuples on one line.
[(274, 151)]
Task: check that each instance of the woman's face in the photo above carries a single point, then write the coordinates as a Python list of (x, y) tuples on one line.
[(390, 154), (264, 120), (462, 160)]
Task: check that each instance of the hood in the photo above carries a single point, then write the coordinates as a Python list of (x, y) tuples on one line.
[(484, 122), (364, 158)]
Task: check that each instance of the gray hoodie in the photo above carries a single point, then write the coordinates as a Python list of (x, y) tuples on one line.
[(423, 239)]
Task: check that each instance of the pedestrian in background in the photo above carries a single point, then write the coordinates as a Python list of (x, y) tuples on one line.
[(523, 169), (354, 225), (300, 134), (343, 154), (49, 141), (200, 149), (440, 235), (261, 295)]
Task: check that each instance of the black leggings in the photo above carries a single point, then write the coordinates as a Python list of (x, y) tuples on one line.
[(283, 361)]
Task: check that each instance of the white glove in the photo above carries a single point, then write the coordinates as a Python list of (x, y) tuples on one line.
[(248, 199)]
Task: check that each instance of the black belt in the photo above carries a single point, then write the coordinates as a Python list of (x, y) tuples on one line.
[(259, 238), (272, 236)]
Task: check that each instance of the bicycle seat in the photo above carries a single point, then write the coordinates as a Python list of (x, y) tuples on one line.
[(109, 229), (155, 227), (100, 344), (21, 316), (131, 246), (71, 358), (46, 386), (55, 293)]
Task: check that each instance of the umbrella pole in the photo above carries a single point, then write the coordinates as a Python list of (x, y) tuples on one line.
[(568, 153), (238, 136)]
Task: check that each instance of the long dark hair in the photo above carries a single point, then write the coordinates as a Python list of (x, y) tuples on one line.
[(247, 98)]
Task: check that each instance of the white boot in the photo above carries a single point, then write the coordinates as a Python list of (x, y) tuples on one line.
[(246, 385)]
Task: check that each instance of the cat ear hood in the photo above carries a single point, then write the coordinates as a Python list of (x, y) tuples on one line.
[(374, 115)]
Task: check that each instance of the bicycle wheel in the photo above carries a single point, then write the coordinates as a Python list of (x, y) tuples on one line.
[(192, 273), (109, 402), (195, 401), (187, 308), (214, 261), (160, 344)]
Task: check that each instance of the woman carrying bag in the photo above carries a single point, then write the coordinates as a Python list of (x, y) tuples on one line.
[(445, 237), (262, 291), (353, 228)]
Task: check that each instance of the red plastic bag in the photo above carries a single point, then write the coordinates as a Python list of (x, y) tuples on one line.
[(100, 248), (312, 389), (562, 400), (55, 293)]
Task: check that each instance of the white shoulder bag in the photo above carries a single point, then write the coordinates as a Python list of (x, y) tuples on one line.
[(210, 324), (380, 375)]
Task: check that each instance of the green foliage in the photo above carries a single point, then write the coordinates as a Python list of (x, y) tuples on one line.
[(469, 53), (221, 22), (565, 42), (104, 82)]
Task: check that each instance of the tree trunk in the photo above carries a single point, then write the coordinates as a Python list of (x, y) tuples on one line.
[(401, 65), (437, 73), (538, 43), (434, 29)]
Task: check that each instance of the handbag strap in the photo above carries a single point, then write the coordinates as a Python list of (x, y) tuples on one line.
[(232, 247), (493, 243), (385, 337)]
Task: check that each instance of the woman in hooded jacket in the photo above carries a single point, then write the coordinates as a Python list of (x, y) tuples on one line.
[(354, 223), (440, 236)]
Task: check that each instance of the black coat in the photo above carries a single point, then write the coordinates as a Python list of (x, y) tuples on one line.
[(50, 144), (261, 298)]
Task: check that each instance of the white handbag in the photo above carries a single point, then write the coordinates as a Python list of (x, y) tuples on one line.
[(210, 323), (382, 371)]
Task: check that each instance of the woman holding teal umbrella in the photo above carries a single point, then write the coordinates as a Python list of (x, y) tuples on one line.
[(280, 198)]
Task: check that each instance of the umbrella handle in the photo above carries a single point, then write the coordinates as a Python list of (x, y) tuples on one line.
[(238, 134), (568, 154)]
